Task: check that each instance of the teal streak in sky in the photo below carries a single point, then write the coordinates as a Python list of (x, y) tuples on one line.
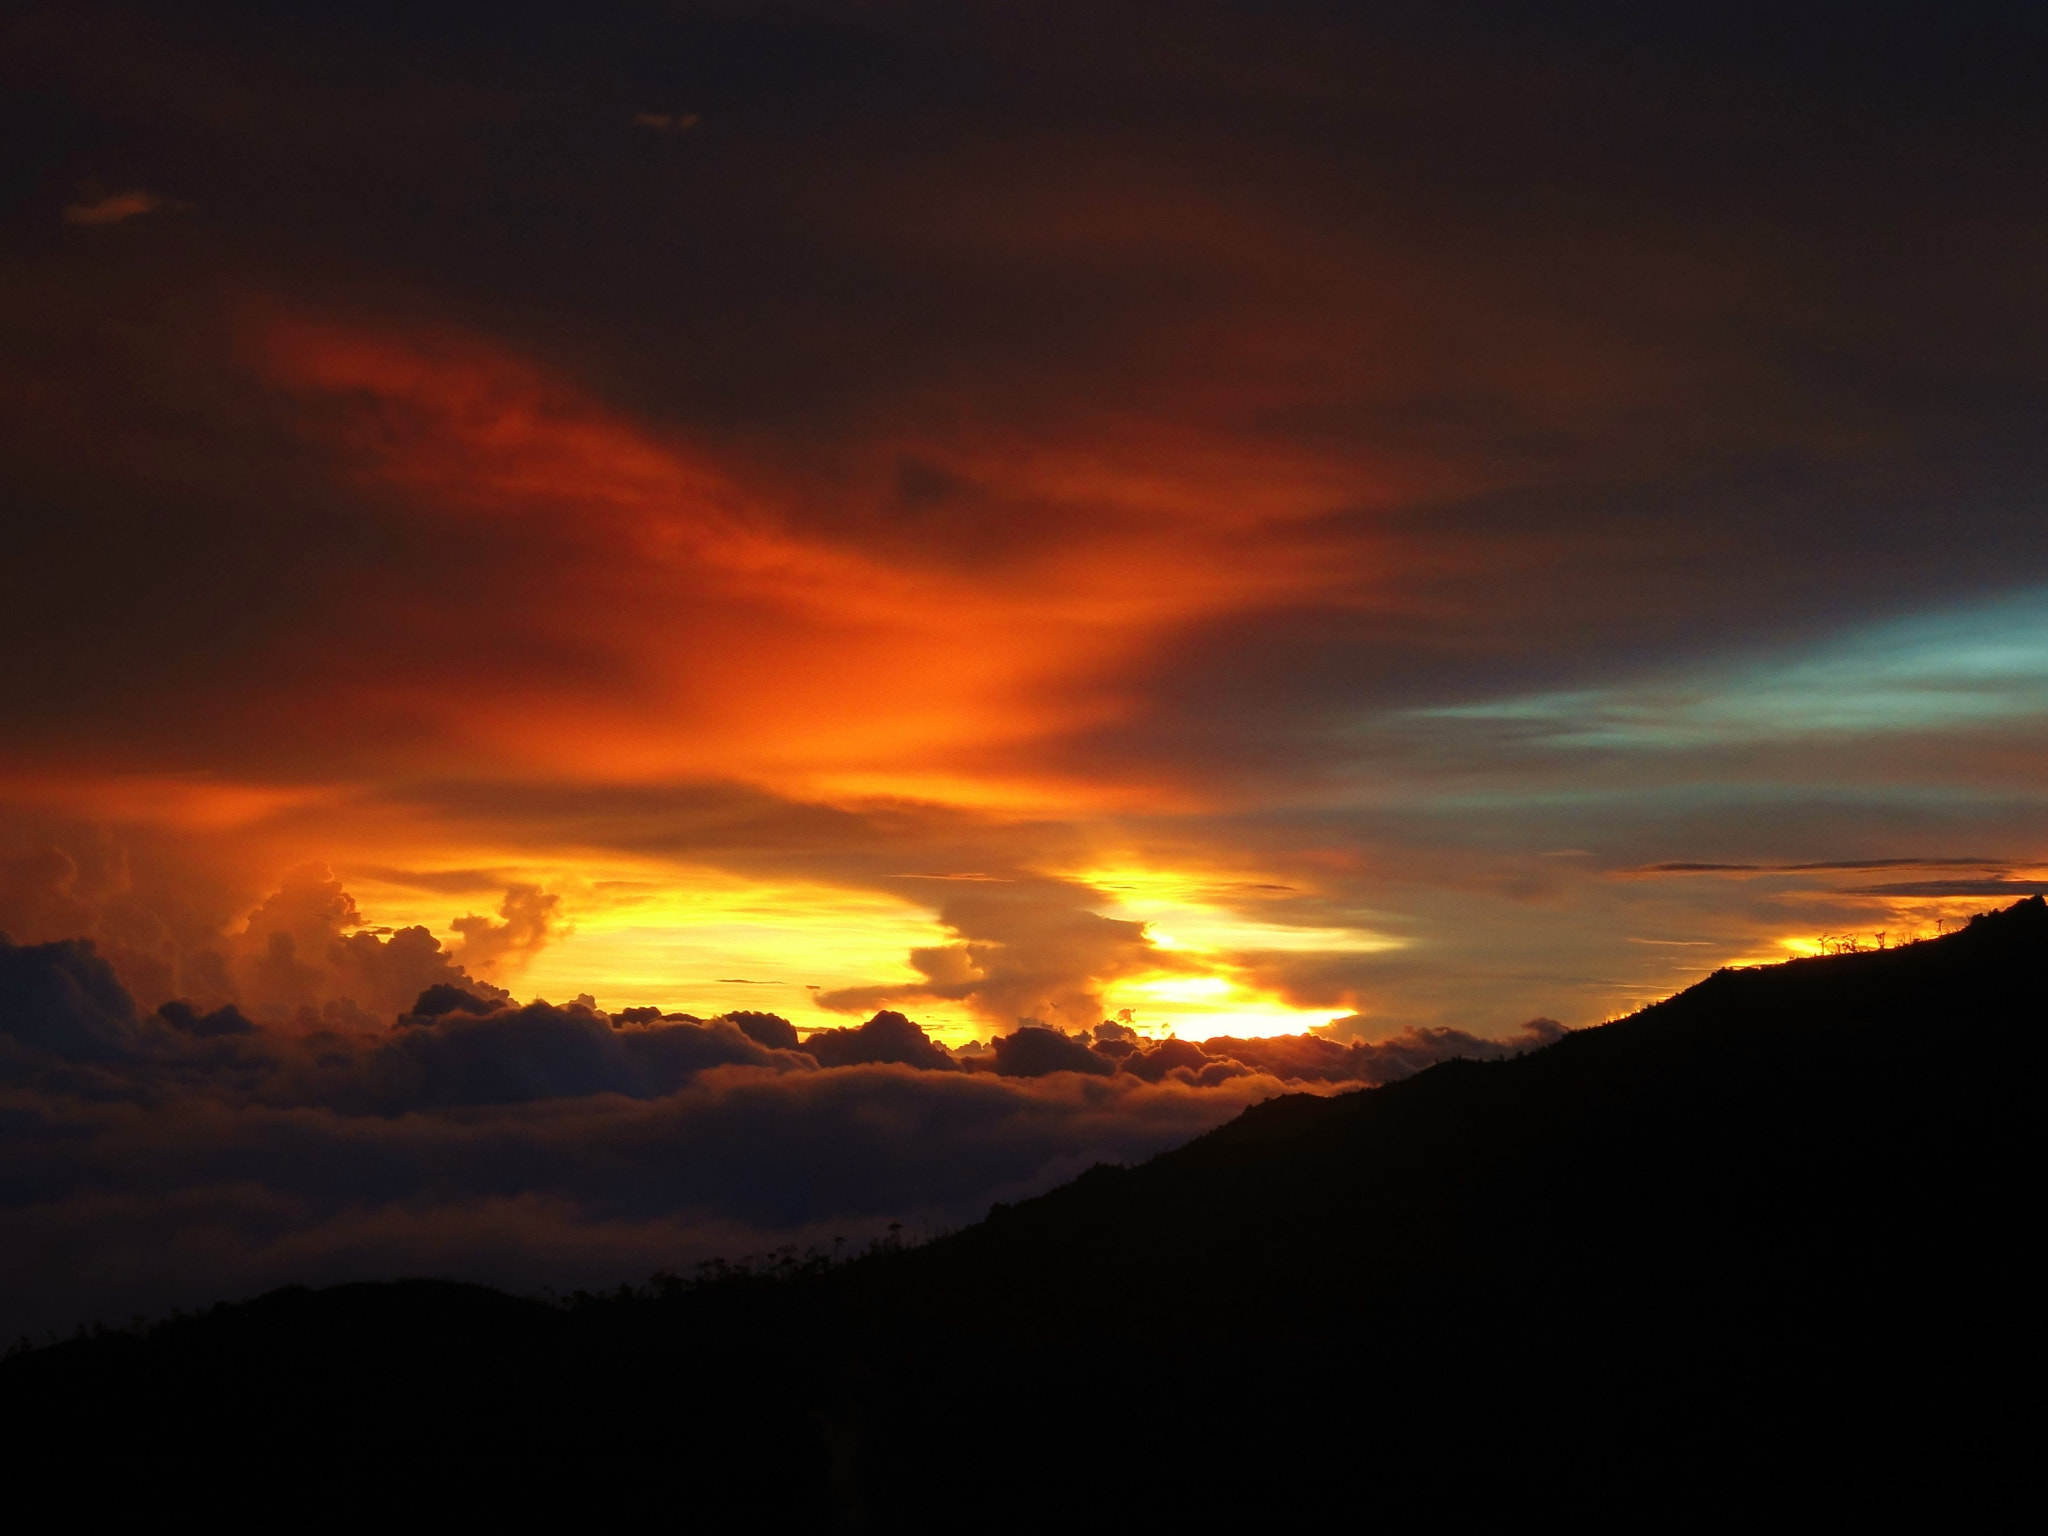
[(1949, 670)]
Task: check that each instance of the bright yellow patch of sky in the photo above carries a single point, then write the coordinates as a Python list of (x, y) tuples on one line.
[(702, 941), (698, 941), (1199, 916)]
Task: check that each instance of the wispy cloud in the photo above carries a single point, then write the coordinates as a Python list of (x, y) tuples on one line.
[(1823, 866), (2007, 890), (116, 208), (1982, 665)]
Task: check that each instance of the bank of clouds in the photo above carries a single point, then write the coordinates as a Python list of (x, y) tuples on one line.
[(176, 1155)]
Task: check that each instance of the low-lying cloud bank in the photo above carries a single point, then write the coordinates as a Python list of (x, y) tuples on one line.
[(177, 1156)]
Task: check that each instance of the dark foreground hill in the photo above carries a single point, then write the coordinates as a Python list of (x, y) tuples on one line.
[(1783, 1220)]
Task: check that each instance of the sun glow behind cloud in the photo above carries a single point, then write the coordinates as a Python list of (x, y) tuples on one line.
[(700, 940), (1201, 1007), (1205, 919), (695, 939)]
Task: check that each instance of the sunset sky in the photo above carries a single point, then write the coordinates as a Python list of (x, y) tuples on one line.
[(1271, 517)]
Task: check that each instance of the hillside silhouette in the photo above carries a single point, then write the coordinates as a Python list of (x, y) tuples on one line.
[(1778, 1221)]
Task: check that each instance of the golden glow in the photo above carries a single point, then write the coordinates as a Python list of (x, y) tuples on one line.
[(1203, 919), (652, 933), (1184, 989), (1199, 1007), (698, 940), (1203, 911)]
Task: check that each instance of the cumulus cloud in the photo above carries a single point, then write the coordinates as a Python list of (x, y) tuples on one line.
[(305, 955), (63, 1000), (769, 1029), (531, 919), (1040, 1052), (161, 943), (307, 949), (1166, 1057), (887, 1037)]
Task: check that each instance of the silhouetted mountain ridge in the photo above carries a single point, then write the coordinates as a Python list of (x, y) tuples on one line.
[(1780, 1215)]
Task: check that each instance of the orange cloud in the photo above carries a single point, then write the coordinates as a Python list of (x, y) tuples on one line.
[(116, 208), (738, 622), (531, 920)]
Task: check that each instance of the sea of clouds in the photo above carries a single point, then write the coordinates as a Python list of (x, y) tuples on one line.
[(200, 1116)]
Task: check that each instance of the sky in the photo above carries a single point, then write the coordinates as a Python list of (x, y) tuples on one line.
[(1380, 520)]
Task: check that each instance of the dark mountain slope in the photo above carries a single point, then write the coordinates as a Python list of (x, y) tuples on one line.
[(1783, 1217), (1788, 1210)]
